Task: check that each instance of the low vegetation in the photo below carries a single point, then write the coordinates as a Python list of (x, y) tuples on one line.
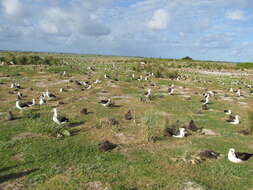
[(36, 153)]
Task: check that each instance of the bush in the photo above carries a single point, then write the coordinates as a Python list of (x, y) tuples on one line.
[(245, 65), (187, 58)]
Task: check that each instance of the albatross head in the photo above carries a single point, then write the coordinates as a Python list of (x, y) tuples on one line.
[(231, 152)]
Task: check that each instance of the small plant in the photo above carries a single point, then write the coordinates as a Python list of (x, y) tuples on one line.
[(31, 114), (172, 75), (150, 122)]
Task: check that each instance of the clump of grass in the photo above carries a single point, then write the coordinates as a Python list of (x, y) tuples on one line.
[(150, 124), (172, 75), (31, 114)]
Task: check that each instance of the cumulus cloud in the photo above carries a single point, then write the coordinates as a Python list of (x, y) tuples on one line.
[(127, 27), (235, 15), (159, 20), (14, 9)]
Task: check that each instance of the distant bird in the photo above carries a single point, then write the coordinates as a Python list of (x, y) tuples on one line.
[(106, 76), (245, 132), (228, 112), (10, 116), (206, 101), (106, 146), (84, 111), (42, 100), (21, 106), (209, 154), (181, 134), (193, 127), (61, 90), (59, 119), (238, 93), (50, 95), (234, 120), (237, 157), (128, 115), (15, 85), (106, 103), (148, 93), (171, 89)]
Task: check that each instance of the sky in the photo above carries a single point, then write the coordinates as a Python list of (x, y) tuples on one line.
[(202, 29)]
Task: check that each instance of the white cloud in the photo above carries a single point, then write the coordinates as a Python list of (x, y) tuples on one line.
[(235, 15), (11, 7), (159, 20)]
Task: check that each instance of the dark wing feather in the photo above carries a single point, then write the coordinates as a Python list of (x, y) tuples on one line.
[(231, 118), (243, 156), (63, 119), (103, 101), (22, 105)]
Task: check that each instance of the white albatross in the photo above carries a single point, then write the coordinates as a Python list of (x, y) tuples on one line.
[(234, 120), (21, 106), (59, 119), (238, 157), (181, 133)]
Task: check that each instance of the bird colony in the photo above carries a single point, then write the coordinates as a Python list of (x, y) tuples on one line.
[(121, 108)]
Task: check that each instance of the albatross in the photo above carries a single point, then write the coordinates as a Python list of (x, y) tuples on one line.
[(50, 95), (171, 89), (148, 93), (228, 112), (21, 106), (181, 133), (106, 103), (234, 120), (237, 157), (42, 100), (59, 119)]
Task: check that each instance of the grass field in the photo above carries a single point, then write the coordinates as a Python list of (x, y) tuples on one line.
[(32, 157)]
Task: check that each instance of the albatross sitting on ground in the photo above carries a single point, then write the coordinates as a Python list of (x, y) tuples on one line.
[(42, 100), (106, 103), (234, 120), (59, 119), (181, 133), (50, 95), (237, 157), (228, 112), (21, 106)]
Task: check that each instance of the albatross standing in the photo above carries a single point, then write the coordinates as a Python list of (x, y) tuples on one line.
[(59, 119), (171, 89)]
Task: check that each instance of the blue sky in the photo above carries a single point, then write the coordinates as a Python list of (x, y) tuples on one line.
[(202, 29)]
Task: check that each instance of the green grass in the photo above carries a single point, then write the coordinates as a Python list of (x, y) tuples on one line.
[(31, 156)]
